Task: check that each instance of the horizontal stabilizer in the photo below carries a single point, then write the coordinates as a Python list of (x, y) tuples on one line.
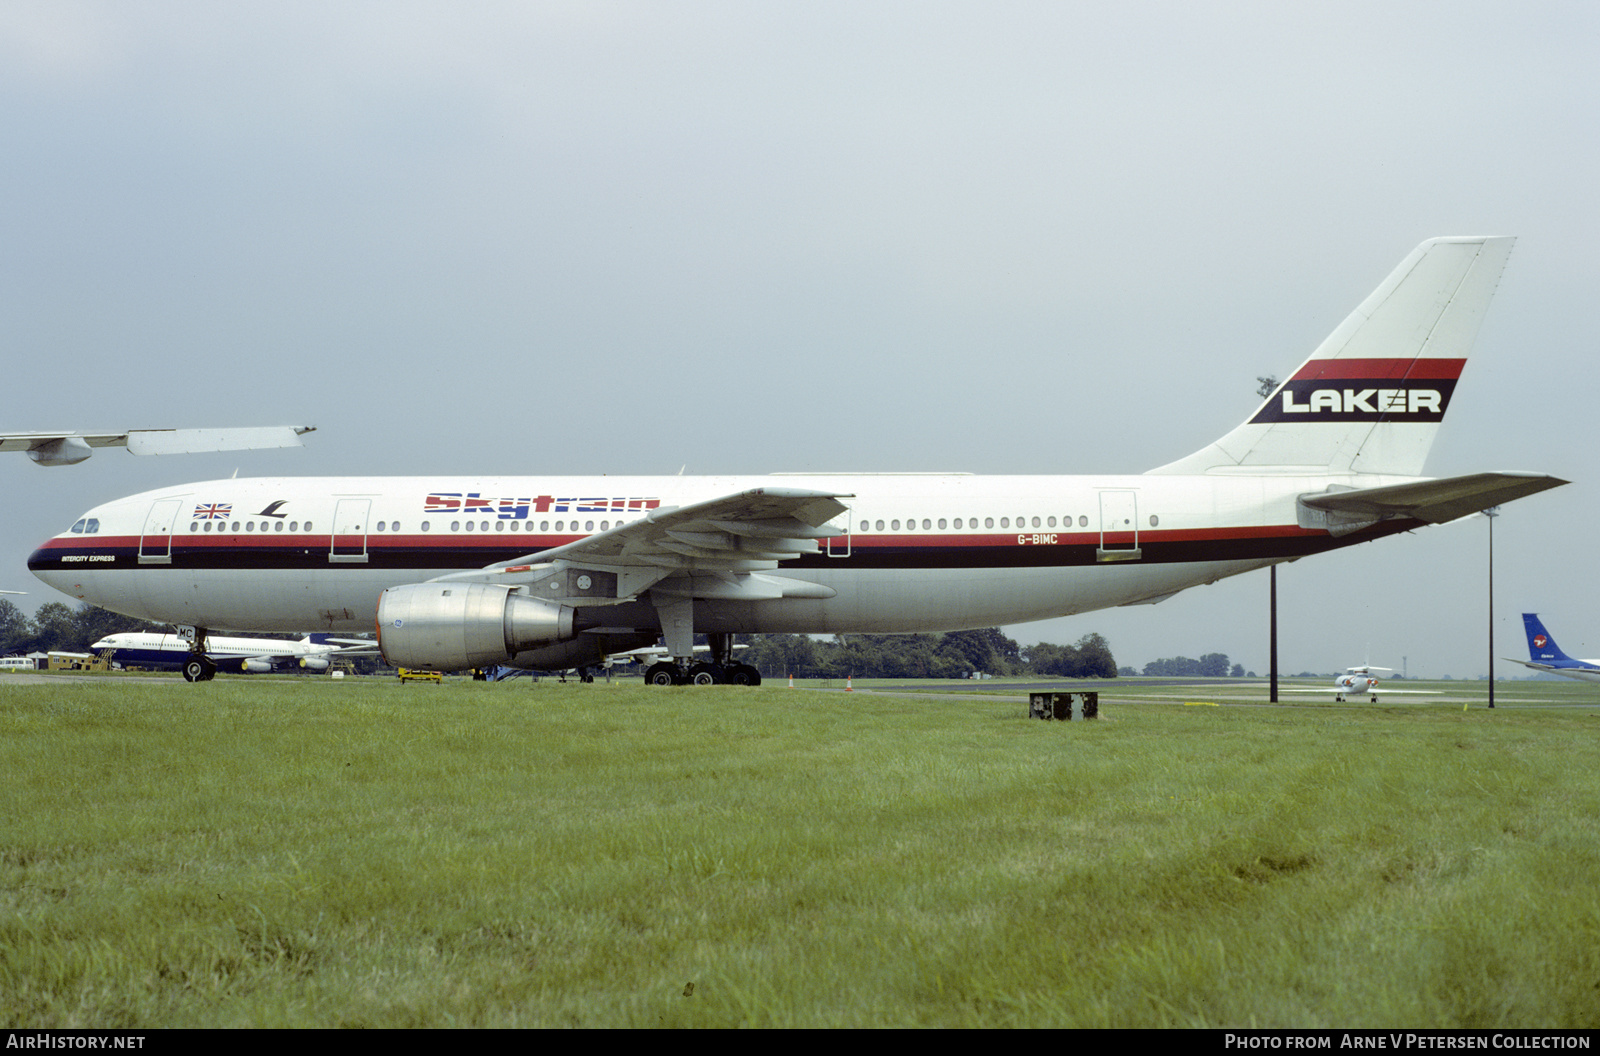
[(1430, 501)]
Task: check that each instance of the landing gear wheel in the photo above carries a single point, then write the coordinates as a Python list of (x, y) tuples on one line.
[(199, 669), (705, 675), (661, 675), (743, 675)]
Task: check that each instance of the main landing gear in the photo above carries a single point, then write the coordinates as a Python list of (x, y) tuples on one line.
[(720, 671)]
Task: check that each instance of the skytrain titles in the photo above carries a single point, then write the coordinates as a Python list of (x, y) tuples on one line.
[(516, 509)]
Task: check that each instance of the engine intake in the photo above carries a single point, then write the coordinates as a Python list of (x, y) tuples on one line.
[(450, 626)]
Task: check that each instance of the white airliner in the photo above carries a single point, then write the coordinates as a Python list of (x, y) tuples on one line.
[(550, 572), (251, 655), (69, 447)]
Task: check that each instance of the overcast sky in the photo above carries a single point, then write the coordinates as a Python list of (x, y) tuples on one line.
[(741, 237)]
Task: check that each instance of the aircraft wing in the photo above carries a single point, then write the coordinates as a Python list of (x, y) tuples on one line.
[(1431, 501), (716, 548), (70, 447)]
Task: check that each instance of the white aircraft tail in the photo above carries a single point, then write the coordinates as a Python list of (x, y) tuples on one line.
[(1371, 397)]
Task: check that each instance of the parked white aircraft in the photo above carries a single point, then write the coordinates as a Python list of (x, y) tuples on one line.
[(69, 447), (550, 572), (251, 655)]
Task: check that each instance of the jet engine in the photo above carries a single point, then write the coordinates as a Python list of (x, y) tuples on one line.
[(318, 664), (450, 626), (255, 666)]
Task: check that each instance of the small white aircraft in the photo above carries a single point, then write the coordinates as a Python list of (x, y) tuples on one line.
[(69, 447), (170, 652), (1360, 681)]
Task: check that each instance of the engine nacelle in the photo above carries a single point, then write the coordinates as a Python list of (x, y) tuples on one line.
[(318, 664), (450, 626), (255, 666)]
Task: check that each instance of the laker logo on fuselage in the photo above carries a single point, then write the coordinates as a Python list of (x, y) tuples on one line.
[(472, 504)]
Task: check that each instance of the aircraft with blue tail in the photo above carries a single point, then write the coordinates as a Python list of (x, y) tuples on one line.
[(1546, 656)]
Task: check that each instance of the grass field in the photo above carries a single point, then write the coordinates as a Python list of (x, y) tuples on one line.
[(303, 852)]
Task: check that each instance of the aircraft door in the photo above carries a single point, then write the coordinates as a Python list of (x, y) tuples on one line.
[(350, 531), (155, 541), (1119, 526), (839, 545)]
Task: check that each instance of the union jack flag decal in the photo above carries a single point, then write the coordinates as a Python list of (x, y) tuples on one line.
[(216, 511)]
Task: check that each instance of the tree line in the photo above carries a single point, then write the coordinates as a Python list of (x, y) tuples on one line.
[(1211, 665), (57, 627), (957, 654)]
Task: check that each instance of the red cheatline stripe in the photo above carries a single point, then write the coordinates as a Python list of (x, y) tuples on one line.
[(1379, 369)]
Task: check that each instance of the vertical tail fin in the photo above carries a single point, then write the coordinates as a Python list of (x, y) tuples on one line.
[(1371, 397), (1542, 649)]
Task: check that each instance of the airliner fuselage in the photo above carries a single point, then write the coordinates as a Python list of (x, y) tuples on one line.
[(913, 552)]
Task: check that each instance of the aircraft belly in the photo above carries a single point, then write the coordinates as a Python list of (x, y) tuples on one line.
[(261, 600), (883, 601), (867, 600)]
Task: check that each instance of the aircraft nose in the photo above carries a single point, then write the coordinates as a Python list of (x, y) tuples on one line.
[(49, 565)]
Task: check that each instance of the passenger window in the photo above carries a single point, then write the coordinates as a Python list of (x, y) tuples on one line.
[(1036, 522), (894, 526), (941, 524), (1005, 522), (588, 526), (988, 522), (1083, 522), (926, 524), (455, 526), (880, 526), (1050, 521), (544, 526)]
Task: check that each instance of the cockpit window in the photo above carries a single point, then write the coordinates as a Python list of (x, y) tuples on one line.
[(77, 529), (91, 525)]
